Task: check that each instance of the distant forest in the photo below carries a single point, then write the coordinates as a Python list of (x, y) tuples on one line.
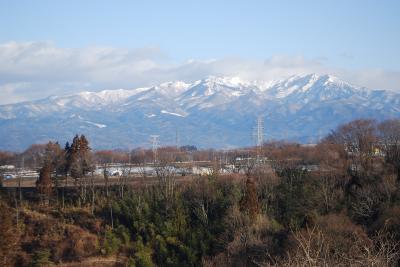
[(335, 203)]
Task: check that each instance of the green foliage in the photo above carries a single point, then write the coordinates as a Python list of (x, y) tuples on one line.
[(131, 262), (78, 158), (123, 235), (111, 243), (143, 255), (41, 258), (296, 199), (173, 234)]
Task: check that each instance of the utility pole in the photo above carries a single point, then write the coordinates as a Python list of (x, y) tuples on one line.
[(177, 138), (20, 178), (154, 141)]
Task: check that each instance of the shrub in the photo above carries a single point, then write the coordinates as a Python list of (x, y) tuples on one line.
[(111, 243), (41, 258)]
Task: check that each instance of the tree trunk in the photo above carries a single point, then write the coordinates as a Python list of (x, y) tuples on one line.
[(112, 219), (16, 208), (19, 189), (93, 192)]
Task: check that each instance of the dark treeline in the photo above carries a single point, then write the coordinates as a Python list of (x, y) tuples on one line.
[(333, 204)]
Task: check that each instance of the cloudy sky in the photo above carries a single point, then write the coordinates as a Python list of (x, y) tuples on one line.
[(61, 47)]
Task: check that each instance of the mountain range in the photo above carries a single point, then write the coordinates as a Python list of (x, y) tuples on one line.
[(218, 112)]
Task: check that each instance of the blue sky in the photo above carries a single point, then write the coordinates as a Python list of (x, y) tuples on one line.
[(355, 40)]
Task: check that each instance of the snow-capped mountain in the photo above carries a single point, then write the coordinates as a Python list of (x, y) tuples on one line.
[(213, 112)]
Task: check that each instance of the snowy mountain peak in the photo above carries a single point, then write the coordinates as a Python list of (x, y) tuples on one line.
[(317, 85), (225, 81), (106, 95), (215, 111), (212, 85), (172, 89)]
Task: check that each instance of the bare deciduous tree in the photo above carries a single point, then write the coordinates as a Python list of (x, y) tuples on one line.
[(167, 182), (359, 140), (390, 143)]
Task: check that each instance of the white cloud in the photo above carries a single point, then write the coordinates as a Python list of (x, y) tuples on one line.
[(9, 92), (34, 70)]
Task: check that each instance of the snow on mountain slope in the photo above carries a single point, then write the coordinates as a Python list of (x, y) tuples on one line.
[(317, 87), (172, 89), (213, 91), (216, 111), (94, 99)]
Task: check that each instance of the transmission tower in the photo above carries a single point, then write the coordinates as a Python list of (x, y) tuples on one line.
[(154, 141), (259, 134)]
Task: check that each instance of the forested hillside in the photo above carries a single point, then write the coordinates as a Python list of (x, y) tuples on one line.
[(333, 204)]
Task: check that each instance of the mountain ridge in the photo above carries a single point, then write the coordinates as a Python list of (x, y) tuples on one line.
[(211, 112)]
